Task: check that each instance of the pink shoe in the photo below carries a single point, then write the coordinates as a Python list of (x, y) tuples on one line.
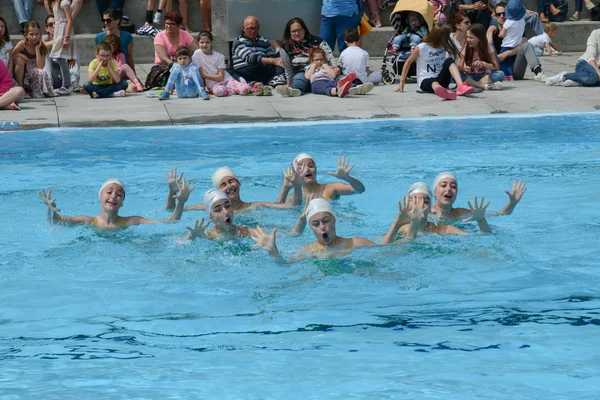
[(510, 78), (347, 79), (444, 93), (464, 89)]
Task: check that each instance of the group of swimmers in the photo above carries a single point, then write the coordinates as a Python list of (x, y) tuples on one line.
[(224, 199)]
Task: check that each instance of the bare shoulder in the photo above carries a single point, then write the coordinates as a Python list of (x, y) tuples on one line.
[(358, 241)]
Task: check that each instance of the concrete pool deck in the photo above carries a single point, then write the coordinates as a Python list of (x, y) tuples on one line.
[(525, 96)]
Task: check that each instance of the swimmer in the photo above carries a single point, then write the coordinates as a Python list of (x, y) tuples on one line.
[(445, 190), (322, 220), (221, 214), (111, 196), (421, 192), (225, 179), (328, 191)]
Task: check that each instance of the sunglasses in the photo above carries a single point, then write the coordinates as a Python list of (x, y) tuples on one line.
[(107, 20), (501, 14), (50, 24)]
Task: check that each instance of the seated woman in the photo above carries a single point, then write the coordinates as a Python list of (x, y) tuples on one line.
[(445, 191), (111, 196), (297, 42), (329, 191), (586, 69), (9, 94), (167, 41), (220, 211), (460, 24), (226, 180), (478, 61)]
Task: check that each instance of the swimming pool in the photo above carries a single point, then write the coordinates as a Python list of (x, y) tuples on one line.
[(138, 314)]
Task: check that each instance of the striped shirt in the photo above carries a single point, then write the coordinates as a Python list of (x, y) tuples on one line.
[(245, 52)]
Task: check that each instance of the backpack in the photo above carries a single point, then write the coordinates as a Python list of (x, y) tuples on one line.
[(158, 77)]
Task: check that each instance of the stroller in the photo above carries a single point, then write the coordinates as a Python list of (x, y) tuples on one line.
[(393, 60)]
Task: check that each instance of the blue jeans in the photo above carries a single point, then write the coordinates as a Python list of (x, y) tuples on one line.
[(104, 5), (584, 73), (105, 90), (332, 29), (411, 38), (535, 23), (495, 76), (23, 9), (507, 65), (300, 82)]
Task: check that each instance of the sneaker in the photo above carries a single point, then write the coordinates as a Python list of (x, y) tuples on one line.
[(287, 91), (444, 93), (589, 4), (267, 91), (94, 95), (63, 91), (203, 95), (510, 78), (343, 88), (463, 89), (541, 77), (557, 79), (278, 80), (362, 89), (497, 86), (570, 83), (119, 93), (147, 30), (260, 91), (14, 107), (157, 17)]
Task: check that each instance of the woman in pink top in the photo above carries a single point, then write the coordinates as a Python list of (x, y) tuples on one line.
[(167, 41), (479, 64), (9, 95)]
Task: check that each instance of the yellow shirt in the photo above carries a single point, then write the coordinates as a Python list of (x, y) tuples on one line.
[(104, 77)]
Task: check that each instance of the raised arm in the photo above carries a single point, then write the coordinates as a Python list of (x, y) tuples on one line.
[(173, 188), (514, 197), (301, 223), (478, 214), (292, 179), (267, 242), (198, 231), (343, 173), (409, 212), (53, 212)]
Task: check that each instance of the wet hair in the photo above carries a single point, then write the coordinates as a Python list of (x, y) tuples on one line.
[(113, 13), (114, 43), (34, 25), (351, 35), (183, 51), (6, 37), (478, 31), (456, 19), (314, 51), (175, 17), (550, 27), (205, 34), (103, 46), (286, 41), (440, 37)]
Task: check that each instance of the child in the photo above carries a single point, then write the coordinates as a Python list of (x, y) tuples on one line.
[(5, 45), (435, 65), (544, 40), (29, 56), (63, 48), (124, 69), (414, 32), (185, 76), (103, 75), (512, 35), (354, 59), (322, 76), (9, 95), (479, 62), (212, 69), (53, 68)]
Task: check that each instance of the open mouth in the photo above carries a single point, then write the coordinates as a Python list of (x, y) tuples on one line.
[(325, 236), (228, 221), (308, 175)]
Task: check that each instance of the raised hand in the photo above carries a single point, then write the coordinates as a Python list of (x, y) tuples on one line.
[(518, 190), (184, 190), (199, 230), (415, 209), (50, 202), (293, 177), (477, 211), (264, 240), (172, 180), (343, 169)]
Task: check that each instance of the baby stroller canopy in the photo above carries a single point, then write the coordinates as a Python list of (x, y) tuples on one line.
[(403, 7)]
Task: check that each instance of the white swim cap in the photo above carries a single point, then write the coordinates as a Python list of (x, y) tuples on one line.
[(300, 157), (211, 197), (318, 205), (222, 173), (443, 175), (419, 187), (110, 182)]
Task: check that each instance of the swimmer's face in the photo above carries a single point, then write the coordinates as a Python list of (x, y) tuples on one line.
[(426, 203), (310, 169), (231, 187), (112, 197), (323, 226), (222, 213), (445, 192)]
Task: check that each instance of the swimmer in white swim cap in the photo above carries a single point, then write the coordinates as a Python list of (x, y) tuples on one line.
[(221, 214), (111, 196), (225, 179), (328, 191)]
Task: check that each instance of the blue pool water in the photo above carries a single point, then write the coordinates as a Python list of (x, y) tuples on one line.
[(140, 315)]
